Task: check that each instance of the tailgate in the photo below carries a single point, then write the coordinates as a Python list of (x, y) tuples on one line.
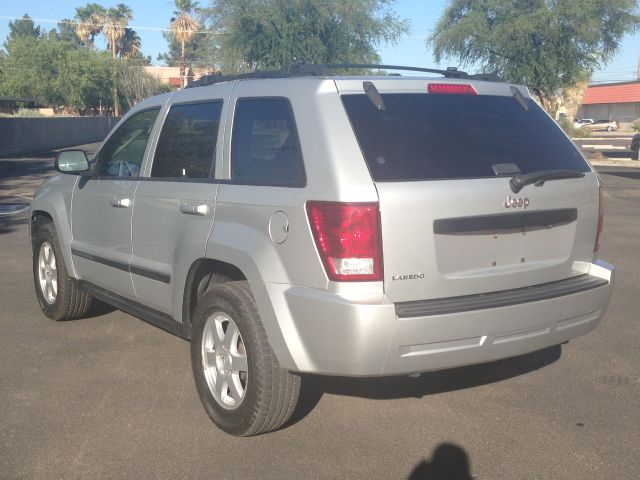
[(438, 242)]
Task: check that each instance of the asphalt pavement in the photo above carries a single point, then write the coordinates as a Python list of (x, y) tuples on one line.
[(113, 397)]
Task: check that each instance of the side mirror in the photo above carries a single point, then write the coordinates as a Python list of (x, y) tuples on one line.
[(72, 161)]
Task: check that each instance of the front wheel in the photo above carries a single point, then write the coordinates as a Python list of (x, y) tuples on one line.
[(239, 381), (58, 296), (609, 128)]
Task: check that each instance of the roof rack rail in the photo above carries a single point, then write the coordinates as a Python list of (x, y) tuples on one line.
[(301, 69)]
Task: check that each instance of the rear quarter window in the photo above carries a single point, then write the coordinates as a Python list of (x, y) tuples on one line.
[(265, 148), (431, 137)]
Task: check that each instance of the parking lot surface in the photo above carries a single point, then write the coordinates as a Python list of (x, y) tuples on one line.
[(113, 397)]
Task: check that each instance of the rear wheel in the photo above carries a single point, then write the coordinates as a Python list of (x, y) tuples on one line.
[(58, 296), (609, 128), (239, 381)]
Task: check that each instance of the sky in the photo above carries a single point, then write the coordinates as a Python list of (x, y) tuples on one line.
[(152, 16)]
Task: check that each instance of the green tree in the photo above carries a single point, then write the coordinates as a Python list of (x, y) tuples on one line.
[(33, 62), (23, 27), (87, 80), (31, 70), (547, 45), (56, 73), (183, 28), (67, 32), (3, 63), (267, 34)]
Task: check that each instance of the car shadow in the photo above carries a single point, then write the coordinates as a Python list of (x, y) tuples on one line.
[(611, 154), (627, 174), (11, 223), (430, 383)]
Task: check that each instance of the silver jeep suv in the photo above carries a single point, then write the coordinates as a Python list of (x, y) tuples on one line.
[(297, 221)]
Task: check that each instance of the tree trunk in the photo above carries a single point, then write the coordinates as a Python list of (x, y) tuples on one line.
[(552, 107), (116, 101), (182, 65), (550, 104)]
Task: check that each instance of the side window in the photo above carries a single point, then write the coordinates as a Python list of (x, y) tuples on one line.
[(122, 155), (187, 143), (265, 149)]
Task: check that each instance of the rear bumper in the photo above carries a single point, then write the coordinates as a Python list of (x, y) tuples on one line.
[(329, 334)]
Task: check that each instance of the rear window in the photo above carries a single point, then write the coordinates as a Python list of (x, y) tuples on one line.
[(430, 137)]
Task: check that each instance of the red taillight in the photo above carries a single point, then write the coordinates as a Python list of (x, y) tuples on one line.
[(348, 239), (452, 88), (600, 220)]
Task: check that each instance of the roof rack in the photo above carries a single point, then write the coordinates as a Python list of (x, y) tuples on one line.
[(301, 69)]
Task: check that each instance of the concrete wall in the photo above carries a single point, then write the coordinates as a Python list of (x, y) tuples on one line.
[(23, 136), (622, 112)]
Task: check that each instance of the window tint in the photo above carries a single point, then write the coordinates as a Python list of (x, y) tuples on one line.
[(187, 143), (122, 154), (426, 137), (265, 149)]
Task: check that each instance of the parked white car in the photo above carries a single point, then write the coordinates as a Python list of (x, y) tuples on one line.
[(581, 122), (608, 125)]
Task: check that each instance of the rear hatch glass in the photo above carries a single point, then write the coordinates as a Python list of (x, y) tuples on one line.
[(429, 137)]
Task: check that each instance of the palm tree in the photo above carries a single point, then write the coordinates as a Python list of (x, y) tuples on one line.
[(89, 22), (114, 21), (183, 27), (128, 45)]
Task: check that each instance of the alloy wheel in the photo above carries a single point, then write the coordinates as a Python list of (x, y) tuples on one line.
[(48, 273), (224, 360)]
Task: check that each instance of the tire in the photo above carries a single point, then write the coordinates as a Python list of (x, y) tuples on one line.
[(58, 295), (609, 128), (239, 381)]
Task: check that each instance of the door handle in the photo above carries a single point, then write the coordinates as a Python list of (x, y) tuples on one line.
[(191, 208), (120, 202)]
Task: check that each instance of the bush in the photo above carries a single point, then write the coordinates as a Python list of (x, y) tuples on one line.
[(636, 125), (28, 112), (572, 132), (136, 84), (22, 112)]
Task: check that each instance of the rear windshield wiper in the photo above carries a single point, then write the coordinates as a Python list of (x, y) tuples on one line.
[(373, 95), (517, 94), (538, 178)]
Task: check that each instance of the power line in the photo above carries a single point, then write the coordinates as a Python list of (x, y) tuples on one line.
[(74, 23), (143, 28)]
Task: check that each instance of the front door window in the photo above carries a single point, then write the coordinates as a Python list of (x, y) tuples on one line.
[(122, 154)]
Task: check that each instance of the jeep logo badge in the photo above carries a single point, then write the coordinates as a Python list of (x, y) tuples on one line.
[(513, 202)]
